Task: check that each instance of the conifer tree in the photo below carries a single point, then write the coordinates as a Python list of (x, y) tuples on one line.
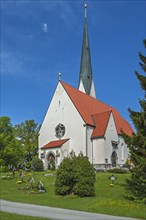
[(75, 175), (137, 142)]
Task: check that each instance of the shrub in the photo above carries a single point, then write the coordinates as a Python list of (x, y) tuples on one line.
[(75, 176), (2, 162), (28, 165), (4, 169), (117, 170), (37, 164), (65, 179), (84, 176)]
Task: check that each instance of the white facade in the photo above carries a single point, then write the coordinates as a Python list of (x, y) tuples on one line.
[(109, 145), (99, 150), (62, 110)]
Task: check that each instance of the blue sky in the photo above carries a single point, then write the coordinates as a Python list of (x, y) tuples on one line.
[(32, 57)]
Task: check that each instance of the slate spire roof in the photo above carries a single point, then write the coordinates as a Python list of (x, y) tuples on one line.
[(85, 65)]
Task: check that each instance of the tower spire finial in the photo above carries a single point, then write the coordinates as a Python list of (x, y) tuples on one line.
[(85, 6), (86, 83)]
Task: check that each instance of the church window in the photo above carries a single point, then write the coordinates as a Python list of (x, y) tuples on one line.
[(42, 155), (60, 130), (114, 159), (114, 144)]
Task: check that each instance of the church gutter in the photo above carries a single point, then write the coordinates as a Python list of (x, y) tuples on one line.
[(92, 149), (86, 142), (86, 139)]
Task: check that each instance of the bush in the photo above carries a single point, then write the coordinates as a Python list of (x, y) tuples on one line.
[(28, 165), (65, 179), (75, 176), (2, 162), (85, 177), (4, 169), (37, 164), (117, 170)]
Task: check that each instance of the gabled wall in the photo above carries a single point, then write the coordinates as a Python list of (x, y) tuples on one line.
[(110, 135), (99, 152), (121, 148), (62, 110), (103, 147)]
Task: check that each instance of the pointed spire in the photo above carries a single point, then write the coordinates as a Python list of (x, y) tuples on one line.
[(85, 80), (85, 6)]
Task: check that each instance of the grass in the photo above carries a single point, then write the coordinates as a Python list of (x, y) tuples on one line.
[(8, 216), (108, 200)]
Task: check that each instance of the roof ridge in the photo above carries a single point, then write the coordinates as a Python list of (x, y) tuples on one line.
[(100, 113), (88, 106)]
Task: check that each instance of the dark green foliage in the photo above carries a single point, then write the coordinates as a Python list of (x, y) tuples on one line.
[(65, 177), (75, 175), (137, 142), (84, 177), (11, 151), (37, 164), (27, 133), (117, 170), (4, 169)]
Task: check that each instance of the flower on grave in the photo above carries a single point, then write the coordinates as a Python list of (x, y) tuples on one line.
[(19, 182)]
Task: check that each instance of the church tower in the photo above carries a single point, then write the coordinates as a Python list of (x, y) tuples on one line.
[(86, 83)]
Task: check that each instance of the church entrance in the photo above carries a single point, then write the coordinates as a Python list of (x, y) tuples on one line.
[(114, 159), (51, 161)]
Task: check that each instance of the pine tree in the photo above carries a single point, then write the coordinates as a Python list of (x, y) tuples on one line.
[(137, 142)]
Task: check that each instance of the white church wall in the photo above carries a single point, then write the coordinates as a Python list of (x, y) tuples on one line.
[(110, 135), (64, 151), (62, 110), (89, 143), (98, 152), (121, 149)]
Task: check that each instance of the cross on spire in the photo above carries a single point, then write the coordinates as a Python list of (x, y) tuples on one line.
[(85, 6)]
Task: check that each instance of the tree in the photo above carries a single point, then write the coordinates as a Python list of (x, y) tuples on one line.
[(75, 175), (27, 133), (11, 151), (137, 142)]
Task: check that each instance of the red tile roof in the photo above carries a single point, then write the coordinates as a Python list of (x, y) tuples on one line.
[(101, 122), (88, 106), (54, 144)]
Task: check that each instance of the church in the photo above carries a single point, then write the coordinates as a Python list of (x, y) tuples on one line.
[(77, 121)]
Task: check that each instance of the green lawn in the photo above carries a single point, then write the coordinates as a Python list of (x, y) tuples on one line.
[(108, 200), (8, 216)]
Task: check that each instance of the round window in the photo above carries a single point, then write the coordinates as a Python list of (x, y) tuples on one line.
[(60, 130)]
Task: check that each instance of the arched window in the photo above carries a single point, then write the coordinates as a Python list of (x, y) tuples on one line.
[(114, 159), (51, 161)]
